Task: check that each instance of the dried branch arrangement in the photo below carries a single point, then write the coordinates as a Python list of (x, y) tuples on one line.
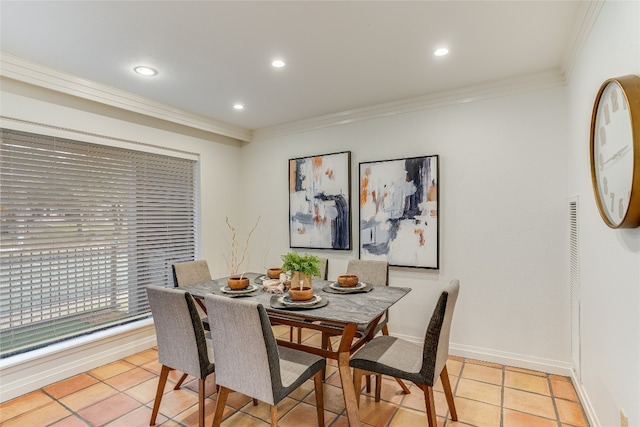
[(237, 260)]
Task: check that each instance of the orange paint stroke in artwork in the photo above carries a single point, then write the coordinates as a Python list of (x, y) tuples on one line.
[(317, 218), (420, 234), (316, 163), (364, 185), (329, 173), (432, 195)]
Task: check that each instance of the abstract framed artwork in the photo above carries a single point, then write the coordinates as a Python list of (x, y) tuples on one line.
[(319, 201), (399, 211)]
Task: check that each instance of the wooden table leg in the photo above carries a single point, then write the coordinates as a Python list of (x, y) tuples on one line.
[(346, 378)]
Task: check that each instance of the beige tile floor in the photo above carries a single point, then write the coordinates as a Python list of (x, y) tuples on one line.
[(121, 394)]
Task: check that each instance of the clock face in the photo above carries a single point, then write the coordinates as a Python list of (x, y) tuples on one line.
[(613, 153)]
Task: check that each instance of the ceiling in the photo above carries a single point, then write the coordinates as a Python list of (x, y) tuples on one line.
[(339, 56)]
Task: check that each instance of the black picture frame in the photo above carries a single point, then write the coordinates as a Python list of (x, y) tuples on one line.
[(320, 201), (399, 211)]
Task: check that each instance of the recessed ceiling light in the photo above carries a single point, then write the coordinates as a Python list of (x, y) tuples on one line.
[(238, 106), (442, 51), (278, 63), (145, 71)]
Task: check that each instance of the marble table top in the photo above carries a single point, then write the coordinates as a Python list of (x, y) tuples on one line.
[(359, 308)]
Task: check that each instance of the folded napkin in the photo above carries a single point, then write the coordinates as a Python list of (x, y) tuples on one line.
[(275, 286)]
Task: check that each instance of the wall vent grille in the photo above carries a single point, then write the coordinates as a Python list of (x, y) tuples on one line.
[(574, 277)]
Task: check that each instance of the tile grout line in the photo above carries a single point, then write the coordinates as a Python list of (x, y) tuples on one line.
[(553, 401), (504, 379)]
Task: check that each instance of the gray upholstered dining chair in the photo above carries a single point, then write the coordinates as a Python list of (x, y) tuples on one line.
[(181, 342), (190, 273), (249, 361), (421, 364), (369, 272), (375, 273)]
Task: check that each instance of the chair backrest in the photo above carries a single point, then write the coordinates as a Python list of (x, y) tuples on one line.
[(181, 341), (246, 351), (324, 262), (191, 272), (436, 341), (369, 271)]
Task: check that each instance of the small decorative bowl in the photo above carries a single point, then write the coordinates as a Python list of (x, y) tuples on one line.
[(238, 283), (274, 273), (347, 280), (297, 294)]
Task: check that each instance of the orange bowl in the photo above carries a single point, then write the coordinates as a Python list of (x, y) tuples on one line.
[(297, 294), (238, 283), (347, 280), (274, 273)]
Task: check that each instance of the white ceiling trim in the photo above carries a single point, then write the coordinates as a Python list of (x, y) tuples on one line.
[(25, 71), (29, 72), (522, 84), (582, 26)]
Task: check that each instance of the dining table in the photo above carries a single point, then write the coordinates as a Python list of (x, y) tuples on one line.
[(351, 314)]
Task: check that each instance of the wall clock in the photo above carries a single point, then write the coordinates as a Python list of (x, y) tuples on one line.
[(615, 151)]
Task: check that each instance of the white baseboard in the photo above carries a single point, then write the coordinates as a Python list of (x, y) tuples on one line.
[(589, 410), (27, 372), (550, 366)]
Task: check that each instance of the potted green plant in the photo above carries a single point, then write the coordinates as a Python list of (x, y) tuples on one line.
[(301, 267)]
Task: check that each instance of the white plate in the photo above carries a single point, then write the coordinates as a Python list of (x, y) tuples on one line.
[(287, 301), (335, 285), (248, 289)]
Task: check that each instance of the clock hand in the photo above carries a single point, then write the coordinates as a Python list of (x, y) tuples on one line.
[(621, 152)]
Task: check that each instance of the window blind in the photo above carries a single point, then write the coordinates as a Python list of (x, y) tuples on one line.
[(84, 229)]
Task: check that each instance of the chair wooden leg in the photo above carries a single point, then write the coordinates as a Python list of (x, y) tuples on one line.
[(201, 402), (255, 402), (222, 400), (404, 387), (446, 385), (274, 416), (317, 380), (299, 335), (290, 333), (431, 405), (368, 381), (180, 381), (357, 383), (162, 381), (378, 386)]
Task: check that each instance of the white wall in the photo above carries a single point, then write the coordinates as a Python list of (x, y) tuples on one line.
[(503, 218), (609, 259)]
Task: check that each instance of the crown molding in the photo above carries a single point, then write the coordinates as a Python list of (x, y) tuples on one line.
[(495, 89), (29, 72), (584, 22)]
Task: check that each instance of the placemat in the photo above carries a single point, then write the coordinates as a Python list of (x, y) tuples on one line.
[(279, 305), (329, 289)]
